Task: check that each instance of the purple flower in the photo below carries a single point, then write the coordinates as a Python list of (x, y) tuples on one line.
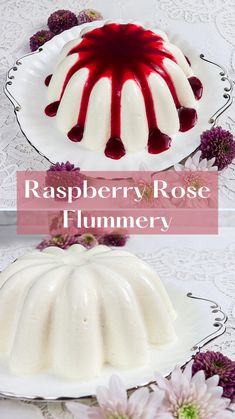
[(64, 174), (220, 144), (63, 167), (62, 241), (215, 363), (39, 38), (61, 20), (88, 240), (116, 238), (89, 15)]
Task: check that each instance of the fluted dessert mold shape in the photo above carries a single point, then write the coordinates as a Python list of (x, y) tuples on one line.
[(201, 311), (225, 77), (123, 88), (72, 311), (42, 133)]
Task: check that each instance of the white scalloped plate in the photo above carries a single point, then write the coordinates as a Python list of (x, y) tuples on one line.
[(199, 321), (25, 88)]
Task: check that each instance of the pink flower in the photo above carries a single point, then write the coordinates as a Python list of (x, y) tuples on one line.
[(88, 240), (88, 15), (62, 241), (187, 397), (114, 403), (197, 163), (115, 238)]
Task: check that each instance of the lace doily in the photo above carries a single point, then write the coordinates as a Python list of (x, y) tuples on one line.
[(212, 31)]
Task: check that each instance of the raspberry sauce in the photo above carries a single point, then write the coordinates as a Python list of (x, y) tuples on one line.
[(76, 133), (197, 87), (188, 118), (158, 142), (115, 148), (52, 108), (47, 80), (122, 52)]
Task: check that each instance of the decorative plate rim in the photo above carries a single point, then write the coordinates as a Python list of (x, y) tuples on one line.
[(213, 119), (220, 321)]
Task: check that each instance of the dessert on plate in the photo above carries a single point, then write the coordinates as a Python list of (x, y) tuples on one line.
[(72, 311), (122, 88)]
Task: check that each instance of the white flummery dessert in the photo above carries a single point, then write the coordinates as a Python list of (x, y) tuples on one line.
[(123, 88), (73, 311)]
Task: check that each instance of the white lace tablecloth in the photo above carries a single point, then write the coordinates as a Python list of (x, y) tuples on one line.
[(209, 23), (203, 265)]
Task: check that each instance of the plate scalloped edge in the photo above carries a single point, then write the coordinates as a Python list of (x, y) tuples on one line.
[(9, 91), (220, 328)]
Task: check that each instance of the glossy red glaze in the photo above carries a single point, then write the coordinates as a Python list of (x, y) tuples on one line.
[(52, 108), (197, 87), (158, 142), (48, 79), (188, 118), (120, 52), (124, 52), (114, 148), (76, 133)]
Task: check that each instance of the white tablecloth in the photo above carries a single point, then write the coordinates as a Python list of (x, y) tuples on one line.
[(208, 24)]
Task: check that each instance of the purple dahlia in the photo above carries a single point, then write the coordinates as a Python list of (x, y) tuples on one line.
[(215, 363), (63, 167), (220, 144), (115, 238), (62, 241), (88, 15), (61, 20), (64, 174), (39, 38)]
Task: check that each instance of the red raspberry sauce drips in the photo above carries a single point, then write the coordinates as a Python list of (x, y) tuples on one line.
[(188, 118), (52, 108), (197, 87), (76, 133), (122, 52), (48, 79), (115, 148), (158, 142)]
